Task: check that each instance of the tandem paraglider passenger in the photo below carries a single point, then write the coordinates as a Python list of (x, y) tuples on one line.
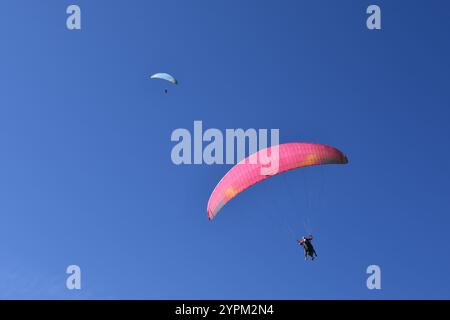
[(305, 242)]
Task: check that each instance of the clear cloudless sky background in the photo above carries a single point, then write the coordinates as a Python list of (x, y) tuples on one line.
[(86, 176)]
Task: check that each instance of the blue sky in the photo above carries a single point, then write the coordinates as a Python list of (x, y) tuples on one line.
[(86, 176)]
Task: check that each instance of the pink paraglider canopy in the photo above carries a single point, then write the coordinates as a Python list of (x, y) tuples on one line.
[(253, 169)]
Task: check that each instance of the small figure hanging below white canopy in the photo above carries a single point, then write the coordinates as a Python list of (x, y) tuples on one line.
[(164, 76)]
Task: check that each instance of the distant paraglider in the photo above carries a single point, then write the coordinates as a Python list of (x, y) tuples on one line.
[(166, 77)]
